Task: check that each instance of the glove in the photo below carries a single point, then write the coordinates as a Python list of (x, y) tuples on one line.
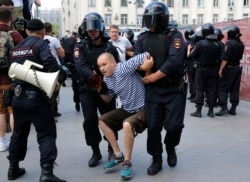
[(95, 82)]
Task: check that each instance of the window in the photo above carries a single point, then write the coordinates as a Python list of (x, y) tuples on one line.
[(215, 18), (124, 3), (230, 17), (230, 2), (108, 19), (245, 15), (246, 2), (184, 3), (91, 3), (200, 3), (170, 3), (124, 19), (184, 19), (171, 17), (139, 3), (216, 3), (200, 19), (107, 3), (139, 20)]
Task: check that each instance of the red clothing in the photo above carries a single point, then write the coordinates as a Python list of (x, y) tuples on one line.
[(4, 78)]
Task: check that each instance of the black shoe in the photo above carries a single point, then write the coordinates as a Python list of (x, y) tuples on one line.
[(155, 166), (95, 159), (232, 112), (15, 171), (77, 106), (57, 114), (172, 157), (222, 112), (210, 114)]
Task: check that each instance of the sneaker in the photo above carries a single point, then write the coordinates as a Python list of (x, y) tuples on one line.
[(126, 171), (114, 162), (4, 144)]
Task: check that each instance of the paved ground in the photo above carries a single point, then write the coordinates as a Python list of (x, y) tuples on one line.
[(211, 150)]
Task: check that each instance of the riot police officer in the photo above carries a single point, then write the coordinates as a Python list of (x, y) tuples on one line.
[(206, 52), (86, 53), (190, 63), (220, 36), (230, 71), (165, 94)]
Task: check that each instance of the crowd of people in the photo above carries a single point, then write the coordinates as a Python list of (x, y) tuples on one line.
[(148, 76)]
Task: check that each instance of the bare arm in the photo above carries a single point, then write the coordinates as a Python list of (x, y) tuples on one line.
[(60, 52)]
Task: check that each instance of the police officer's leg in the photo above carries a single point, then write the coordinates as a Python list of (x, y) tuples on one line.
[(90, 125), (199, 94), (173, 123), (223, 90), (235, 90), (209, 90), (154, 113), (18, 143), (104, 108)]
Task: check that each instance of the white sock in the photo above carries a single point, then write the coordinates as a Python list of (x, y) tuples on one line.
[(118, 154)]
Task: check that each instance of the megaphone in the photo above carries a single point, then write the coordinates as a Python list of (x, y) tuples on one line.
[(44, 81)]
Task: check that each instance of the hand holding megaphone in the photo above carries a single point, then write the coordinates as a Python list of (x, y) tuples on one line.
[(44, 81)]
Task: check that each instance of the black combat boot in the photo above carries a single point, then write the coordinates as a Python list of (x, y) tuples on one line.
[(222, 112), (156, 165), (172, 157), (197, 113), (210, 112), (96, 156), (232, 110), (15, 171), (47, 173)]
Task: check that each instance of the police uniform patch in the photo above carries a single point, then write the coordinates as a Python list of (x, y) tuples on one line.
[(76, 52), (177, 43)]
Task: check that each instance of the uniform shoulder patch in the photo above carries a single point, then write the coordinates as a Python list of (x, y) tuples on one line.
[(76, 52), (177, 43)]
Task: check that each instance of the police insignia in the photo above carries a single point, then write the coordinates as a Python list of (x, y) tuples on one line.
[(76, 52), (177, 43)]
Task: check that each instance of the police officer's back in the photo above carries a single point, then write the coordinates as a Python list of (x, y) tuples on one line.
[(32, 106), (207, 53)]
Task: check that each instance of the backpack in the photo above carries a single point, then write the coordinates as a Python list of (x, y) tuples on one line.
[(6, 44)]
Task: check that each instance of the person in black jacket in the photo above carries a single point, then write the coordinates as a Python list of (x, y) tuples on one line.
[(165, 88), (207, 53), (230, 71), (32, 106), (86, 53)]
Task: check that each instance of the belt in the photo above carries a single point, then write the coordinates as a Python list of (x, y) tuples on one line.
[(21, 92)]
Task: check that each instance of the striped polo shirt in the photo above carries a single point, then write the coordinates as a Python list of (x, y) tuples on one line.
[(126, 83)]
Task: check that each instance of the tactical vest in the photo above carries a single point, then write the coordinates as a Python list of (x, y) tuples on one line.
[(94, 51)]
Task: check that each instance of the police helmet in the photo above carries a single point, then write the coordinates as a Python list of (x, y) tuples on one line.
[(207, 30), (156, 14), (188, 33), (129, 34), (233, 32), (197, 35), (219, 34), (93, 21)]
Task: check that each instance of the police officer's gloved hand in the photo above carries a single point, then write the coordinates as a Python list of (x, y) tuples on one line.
[(95, 82)]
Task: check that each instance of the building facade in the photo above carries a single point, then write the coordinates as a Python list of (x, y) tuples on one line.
[(128, 13)]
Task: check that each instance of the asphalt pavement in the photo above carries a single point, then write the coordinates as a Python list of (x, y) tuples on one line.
[(211, 150)]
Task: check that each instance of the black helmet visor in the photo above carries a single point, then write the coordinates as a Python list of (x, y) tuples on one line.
[(93, 25)]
